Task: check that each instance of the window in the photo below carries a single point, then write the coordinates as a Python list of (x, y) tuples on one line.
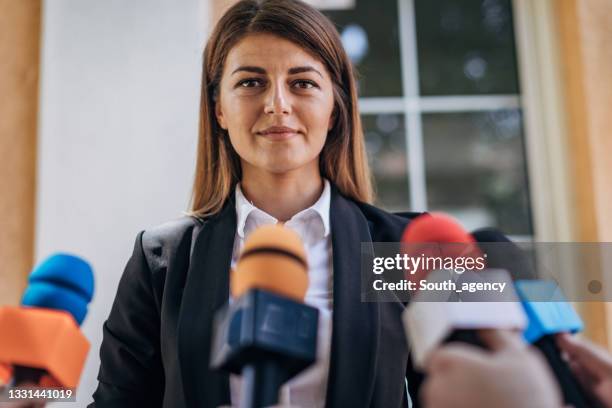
[(441, 108)]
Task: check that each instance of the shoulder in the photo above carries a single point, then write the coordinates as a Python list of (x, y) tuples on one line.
[(170, 231), (163, 241), (386, 226)]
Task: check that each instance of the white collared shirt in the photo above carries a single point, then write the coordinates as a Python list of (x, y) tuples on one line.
[(312, 224)]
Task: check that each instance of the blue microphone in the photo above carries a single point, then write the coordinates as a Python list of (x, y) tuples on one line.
[(547, 309), (61, 282)]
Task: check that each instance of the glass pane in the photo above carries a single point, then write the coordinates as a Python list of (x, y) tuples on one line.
[(372, 44), (466, 47), (476, 170), (386, 147)]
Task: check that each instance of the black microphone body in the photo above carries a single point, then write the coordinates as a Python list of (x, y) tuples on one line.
[(269, 339)]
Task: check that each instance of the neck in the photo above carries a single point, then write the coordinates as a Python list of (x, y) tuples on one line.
[(281, 195)]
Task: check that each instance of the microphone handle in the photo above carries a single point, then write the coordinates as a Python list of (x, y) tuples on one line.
[(27, 375), (262, 381), (573, 392)]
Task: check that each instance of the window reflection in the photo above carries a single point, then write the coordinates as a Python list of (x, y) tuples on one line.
[(466, 47), (386, 147), (476, 170), (370, 34)]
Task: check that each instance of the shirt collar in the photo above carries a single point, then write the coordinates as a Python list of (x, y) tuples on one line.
[(246, 211)]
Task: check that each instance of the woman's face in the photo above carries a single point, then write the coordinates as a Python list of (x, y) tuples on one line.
[(276, 102)]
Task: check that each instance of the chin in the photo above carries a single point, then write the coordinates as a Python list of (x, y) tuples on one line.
[(280, 168), (282, 162)]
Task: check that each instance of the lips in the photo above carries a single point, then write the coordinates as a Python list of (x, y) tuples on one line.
[(278, 132)]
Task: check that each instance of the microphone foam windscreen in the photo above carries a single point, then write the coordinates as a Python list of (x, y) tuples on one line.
[(436, 235), (61, 282), (435, 228), (273, 259)]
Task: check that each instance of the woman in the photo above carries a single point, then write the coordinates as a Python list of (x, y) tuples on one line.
[(280, 141)]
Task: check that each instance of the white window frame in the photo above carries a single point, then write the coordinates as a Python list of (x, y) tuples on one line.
[(540, 102)]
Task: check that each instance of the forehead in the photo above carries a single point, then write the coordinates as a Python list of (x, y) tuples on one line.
[(270, 52)]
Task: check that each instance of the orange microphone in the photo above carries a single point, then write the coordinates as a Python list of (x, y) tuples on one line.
[(273, 259), (267, 333), (40, 341)]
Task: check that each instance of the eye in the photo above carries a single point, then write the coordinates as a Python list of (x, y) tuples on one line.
[(304, 84), (250, 83)]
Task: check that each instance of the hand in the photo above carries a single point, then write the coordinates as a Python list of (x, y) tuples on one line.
[(591, 364), (509, 375)]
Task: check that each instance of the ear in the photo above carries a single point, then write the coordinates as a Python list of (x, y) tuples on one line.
[(219, 115)]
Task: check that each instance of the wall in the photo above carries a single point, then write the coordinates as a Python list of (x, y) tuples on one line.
[(19, 59), (117, 135)]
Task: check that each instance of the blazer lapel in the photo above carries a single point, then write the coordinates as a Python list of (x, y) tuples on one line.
[(206, 290), (355, 331)]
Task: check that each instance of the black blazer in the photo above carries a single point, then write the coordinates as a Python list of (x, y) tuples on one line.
[(156, 345)]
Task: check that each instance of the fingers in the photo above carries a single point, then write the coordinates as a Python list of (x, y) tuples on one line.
[(425, 393), (448, 365), (603, 391), (445, 358), (497, 340), (434, 393), (592, 358), (454, 353), (586, 379)]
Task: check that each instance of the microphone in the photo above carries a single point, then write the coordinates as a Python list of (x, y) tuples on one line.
[(267, 333), (436, 235), (548, 314), (429, 324), (40, 341)]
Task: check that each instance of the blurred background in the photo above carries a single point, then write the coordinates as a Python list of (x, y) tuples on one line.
[(495, 111)]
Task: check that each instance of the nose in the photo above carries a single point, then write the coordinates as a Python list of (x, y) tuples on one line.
[(277, 100)]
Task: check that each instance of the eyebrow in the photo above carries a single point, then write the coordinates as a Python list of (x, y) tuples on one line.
[(291, 71)]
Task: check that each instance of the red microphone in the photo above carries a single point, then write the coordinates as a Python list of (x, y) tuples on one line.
[(435, 228), (437, 236)]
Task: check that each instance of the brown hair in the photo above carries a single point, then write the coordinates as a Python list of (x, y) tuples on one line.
[(343, 159)]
